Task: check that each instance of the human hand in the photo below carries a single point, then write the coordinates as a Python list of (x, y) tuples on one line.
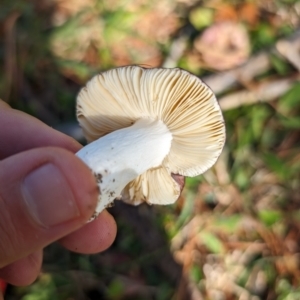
[(46, 194)]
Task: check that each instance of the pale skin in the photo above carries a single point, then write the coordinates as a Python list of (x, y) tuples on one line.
[(28, 145)]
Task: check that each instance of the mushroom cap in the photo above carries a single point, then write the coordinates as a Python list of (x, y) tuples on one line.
[(119, 97)]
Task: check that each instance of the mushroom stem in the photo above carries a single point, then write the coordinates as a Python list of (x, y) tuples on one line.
[(121, 156)]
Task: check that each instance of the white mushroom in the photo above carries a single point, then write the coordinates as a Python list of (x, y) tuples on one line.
[(142, 125)]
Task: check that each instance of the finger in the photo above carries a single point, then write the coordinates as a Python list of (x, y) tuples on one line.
[(3, 104), (23, 271), (21, 132), (45, 194), (94, 237)]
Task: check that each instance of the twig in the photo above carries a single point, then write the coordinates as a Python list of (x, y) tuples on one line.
[(255, 66), (176, 51), (262, 93), (225, 80), (178, 47), (291, 51)]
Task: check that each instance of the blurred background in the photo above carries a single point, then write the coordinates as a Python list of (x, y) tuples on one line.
[(235, 231)]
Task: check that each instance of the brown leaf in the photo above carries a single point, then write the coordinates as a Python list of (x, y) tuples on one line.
[(226, 12), (249, 13)]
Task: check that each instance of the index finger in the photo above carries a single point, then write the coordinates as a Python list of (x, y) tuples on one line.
[(20, 132)]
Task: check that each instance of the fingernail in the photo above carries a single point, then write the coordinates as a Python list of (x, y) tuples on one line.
[(48, 197)]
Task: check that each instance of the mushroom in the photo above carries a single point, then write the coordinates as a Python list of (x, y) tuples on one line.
[(143, 125)]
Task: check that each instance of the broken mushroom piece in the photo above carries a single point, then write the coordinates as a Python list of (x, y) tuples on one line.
[(142, 125)]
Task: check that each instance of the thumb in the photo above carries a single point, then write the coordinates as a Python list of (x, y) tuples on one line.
[(45, 194)]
